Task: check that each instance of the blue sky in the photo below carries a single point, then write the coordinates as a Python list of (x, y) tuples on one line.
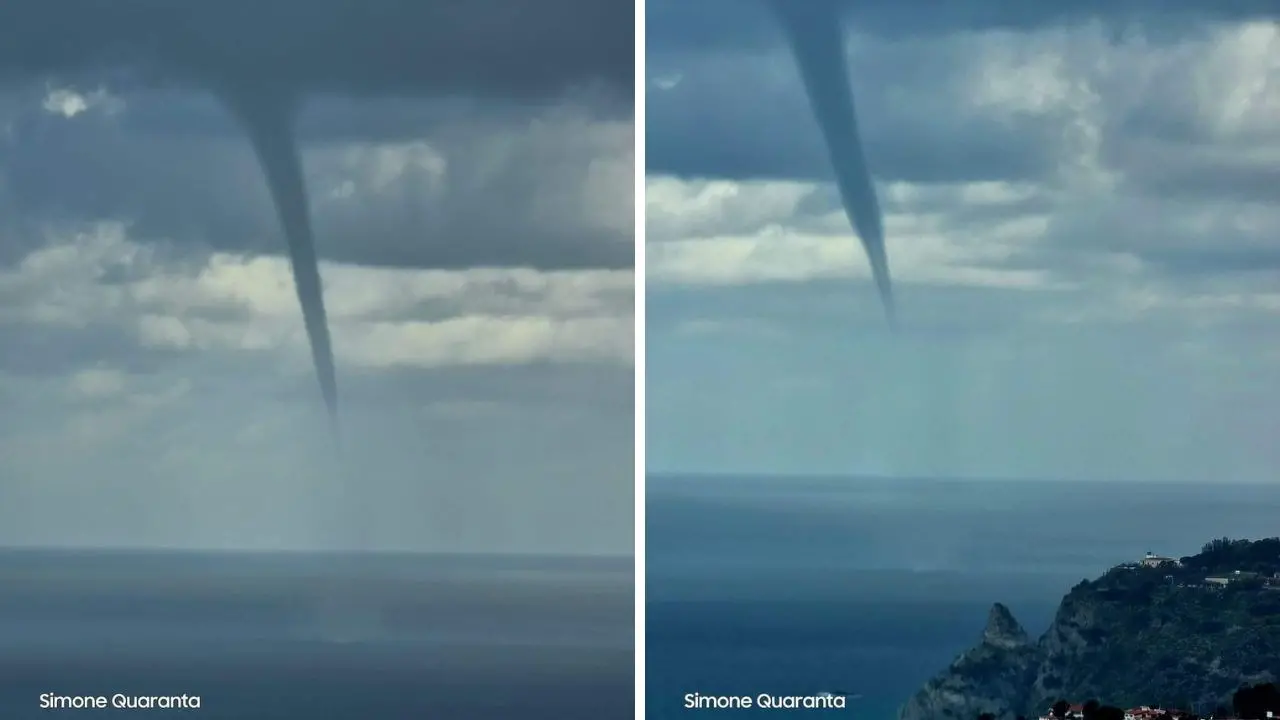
[(1081, 223), (474, 217)]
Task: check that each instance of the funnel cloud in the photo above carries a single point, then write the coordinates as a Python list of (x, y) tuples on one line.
[(170, 180), (263, 63), (813, 33), (268, 120), (1077, 205)]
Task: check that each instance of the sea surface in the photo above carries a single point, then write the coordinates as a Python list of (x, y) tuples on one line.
[(324, 637), (792, 586)]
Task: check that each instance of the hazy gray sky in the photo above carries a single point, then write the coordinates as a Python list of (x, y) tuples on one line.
[(1082, 223), (475, 232)]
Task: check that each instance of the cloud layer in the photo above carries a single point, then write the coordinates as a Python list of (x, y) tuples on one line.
[(505, 187), (472, 205), (337, 47), (1068, 138), (1077, 207)]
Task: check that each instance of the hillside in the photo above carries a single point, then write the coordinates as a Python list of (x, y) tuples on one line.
[(1182, 633)]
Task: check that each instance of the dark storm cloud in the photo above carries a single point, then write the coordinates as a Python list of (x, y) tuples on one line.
[(1169, 145), (263, 59), (94, 166), (778, 144), (714, 25), (765, 129), (1166, 234), (328, 119), (726, 53), (1192, 167), (1180, 174), (503, 48)]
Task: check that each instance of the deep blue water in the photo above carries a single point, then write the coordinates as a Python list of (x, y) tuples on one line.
[(871, 586), (318, 637)]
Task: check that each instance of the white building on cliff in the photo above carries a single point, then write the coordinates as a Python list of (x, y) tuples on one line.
[(1152, 561)]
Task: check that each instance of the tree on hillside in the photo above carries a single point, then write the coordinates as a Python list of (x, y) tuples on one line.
[(1254, 702), (1217, 545), (1226, 555), (1060, 708), (1108, 712), (1091, 709), (987, 716)]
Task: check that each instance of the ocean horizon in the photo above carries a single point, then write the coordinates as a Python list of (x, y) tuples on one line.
[(318, 635), (870, 586)]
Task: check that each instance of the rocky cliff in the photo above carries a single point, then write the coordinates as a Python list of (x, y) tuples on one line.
[(992, 677), (1134, 636)]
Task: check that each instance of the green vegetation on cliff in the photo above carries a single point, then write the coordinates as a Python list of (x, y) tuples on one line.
[(1164, 635), (1137, 635)]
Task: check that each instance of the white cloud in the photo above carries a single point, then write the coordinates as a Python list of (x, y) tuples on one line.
[(69, 103), (97, 383), (667, 82), (769, 238), (1235, 80), (154, 365), (1159, 152), (678, 209), (484, 340), (380, 317)]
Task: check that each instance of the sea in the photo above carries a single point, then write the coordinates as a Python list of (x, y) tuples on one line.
[(870, 586), (311, 636)]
